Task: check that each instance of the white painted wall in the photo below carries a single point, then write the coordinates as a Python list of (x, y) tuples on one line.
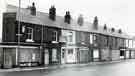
[(65, 34)]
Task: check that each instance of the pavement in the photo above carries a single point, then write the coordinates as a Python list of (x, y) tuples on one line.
[(60, 66)]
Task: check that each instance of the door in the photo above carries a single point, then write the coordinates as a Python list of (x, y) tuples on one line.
[(127, 54), (46, 57), (63, 56), (96, 55), (122, 54), (7, 58)]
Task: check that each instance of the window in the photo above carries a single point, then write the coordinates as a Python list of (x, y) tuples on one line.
[(70, 51), (33, 56), (23, 29), (83, 36), (95, 39), (70, 37), (54, 38), (127, 44), (91, 39), (29, 33), (130, 44)]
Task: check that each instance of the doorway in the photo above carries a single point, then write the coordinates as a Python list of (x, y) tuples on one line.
[(46, 57), (63, 56), (95, 55)]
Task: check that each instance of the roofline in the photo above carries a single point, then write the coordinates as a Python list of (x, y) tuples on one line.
[(98, 32)]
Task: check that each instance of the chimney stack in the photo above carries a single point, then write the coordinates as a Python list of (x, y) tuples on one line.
[(80, 20), (95, 23), (52, 13), (120, 31), (33, 9), (67, 17), (105, 27), (112, 29)]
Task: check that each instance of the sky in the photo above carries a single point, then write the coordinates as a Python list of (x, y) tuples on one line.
[(115, 13)]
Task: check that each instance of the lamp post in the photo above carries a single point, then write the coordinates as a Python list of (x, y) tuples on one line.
[(18, 41)]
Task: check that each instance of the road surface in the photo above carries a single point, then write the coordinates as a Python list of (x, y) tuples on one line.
[(124, 68)]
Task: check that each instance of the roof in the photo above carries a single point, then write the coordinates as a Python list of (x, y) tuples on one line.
[(43, 19)]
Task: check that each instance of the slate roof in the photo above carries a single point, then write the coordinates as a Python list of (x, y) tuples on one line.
[(43, 19)]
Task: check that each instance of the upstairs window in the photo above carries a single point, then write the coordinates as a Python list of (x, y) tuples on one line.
[(95, 40), (91, 39), (54, 38), (94, 37), (29, 33), (70, 37)]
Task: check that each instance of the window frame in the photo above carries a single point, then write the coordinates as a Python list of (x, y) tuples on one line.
[(91, 38), (70, 37), (55, 35), (30, 33)]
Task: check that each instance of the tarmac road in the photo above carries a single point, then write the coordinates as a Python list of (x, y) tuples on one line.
[(124, 68)]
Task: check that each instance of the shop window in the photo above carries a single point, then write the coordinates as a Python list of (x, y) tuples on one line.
[(54, 36), (70, 51)]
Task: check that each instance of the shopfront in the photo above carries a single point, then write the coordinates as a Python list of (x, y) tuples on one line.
[(14, 56), (68, 55), (84, 54)]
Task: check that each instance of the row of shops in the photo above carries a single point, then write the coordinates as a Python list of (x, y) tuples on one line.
[(12, 56), (28, 56), (85, 54)]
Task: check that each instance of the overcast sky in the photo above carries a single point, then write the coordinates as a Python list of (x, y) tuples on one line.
[(114, 13)]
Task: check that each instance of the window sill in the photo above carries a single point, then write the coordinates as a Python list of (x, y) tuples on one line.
[(54, 42), (29, 40)]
